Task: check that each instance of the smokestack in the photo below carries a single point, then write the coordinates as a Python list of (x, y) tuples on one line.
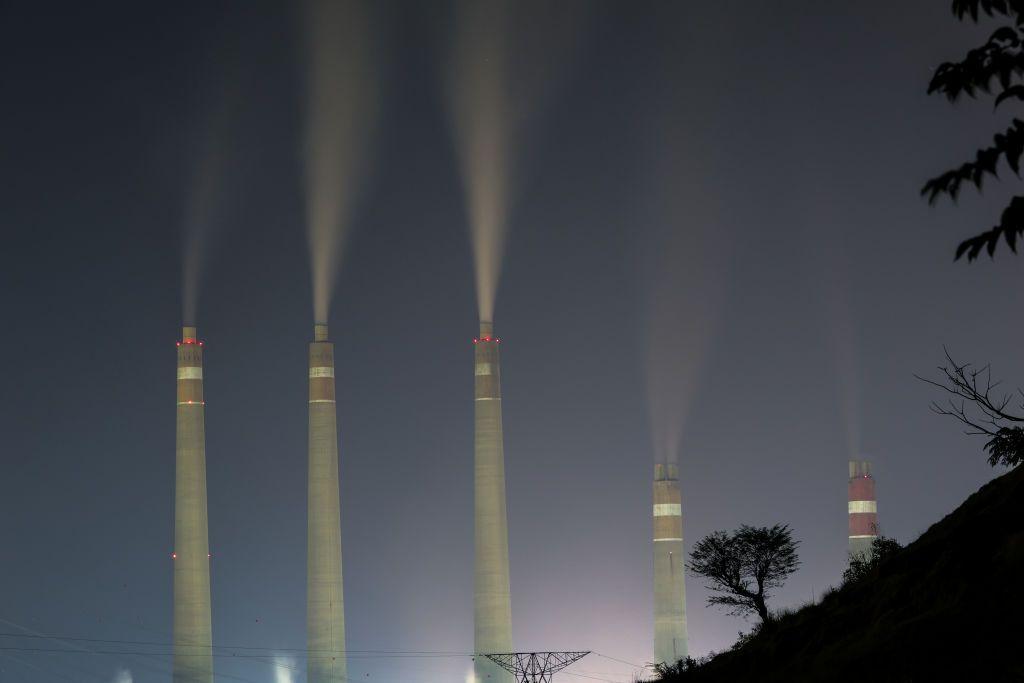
[(863, 508), (492, 624), (670, 639), (193, 639), (325, 604)]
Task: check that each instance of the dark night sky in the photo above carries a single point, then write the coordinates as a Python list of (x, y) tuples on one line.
[(810, 133)]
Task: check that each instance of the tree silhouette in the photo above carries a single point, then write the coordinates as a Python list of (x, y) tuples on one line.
[(745, 566), (985, 413), (999, 60)]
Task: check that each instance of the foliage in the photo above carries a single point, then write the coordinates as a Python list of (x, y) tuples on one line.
[(862, 564), (744, 567), (985, 414), (999, 60), (664, 670)]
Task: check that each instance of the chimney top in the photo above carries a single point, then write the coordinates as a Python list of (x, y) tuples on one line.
[(860, 468), (666, 472)]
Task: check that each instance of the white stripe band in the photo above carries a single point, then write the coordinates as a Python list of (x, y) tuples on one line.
[(321, 400), (321, 372), (668, 539), (488, 398), (668, 510), (863, 506), (865, 536), (191, 403), (483, 369), (190, 372)]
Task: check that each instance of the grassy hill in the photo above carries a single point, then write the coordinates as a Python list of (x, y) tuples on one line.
[(948, 607)]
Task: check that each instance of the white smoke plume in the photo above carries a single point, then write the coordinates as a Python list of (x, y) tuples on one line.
[(687, 257), (686, 292), (506, 57), (340, 109), (123, 676), (204, 203)]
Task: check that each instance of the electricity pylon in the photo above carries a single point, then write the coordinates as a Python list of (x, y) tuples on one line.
[(535, 667)]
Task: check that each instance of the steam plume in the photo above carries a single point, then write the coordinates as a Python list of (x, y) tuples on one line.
[(505, 58), (341, 102), (686, 293), (843, 335), (686, 286), (123, 676), (204, 202)]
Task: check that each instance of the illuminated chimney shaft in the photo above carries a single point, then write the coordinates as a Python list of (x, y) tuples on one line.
[(193, 641), (862, 506), (325, 604), (491, 602), (670, 637)]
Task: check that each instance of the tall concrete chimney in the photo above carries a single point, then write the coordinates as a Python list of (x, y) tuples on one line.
[(325, 604), (492, 624), (863, 508), (193, 639), (670, 639)]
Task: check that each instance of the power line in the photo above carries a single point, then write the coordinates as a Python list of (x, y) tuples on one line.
[(307, 651), (246, 652), (623, 661), (230, 655), (591, 677), (32, 633)]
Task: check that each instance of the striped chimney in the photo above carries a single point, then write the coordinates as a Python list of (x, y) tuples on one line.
[(325, 604), (193, 638), (670, 637), (863, 508), (492, 611)]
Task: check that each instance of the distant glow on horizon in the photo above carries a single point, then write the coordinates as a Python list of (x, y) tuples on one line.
[(284, 669)]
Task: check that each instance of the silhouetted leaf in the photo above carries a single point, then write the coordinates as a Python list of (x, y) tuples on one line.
[(1009, 144), (961, 248), (974, 8), (1015, 91), (1010, 227)]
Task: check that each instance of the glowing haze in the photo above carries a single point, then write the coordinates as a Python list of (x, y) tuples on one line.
[(500, 69), (284, 669), (340, 109)]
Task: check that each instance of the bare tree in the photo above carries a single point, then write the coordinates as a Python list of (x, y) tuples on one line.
[(977, 402), (745, 566)]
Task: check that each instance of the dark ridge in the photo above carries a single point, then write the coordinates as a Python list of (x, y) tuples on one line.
[(949, 606)]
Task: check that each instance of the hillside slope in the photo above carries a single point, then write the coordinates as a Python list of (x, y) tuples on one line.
[(950, 606)]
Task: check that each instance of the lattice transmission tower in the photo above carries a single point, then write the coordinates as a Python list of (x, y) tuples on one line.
[(535, 667)]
